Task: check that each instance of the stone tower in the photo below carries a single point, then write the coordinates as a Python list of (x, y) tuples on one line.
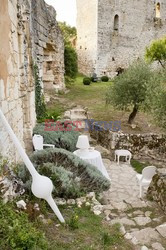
[(112, 33)]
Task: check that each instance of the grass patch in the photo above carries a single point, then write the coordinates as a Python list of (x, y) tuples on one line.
[(91, 96), (139, 166), (85, 231)]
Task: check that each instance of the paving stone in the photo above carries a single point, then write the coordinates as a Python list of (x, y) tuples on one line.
[(138, 212), (122, 230), (128, 236), (144, 248), (121, 206), (162, 229), (148, 213), (157, 246), (146, 235), (124, 221), (139, 204), (142, 221), (134, 241)]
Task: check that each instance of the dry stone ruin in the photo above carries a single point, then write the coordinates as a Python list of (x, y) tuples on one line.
[(29, 35), (112, 33)]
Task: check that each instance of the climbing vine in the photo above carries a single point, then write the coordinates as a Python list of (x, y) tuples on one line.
[(39, 97)]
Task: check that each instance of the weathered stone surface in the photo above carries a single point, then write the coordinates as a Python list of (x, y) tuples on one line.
[(144, 248), (124, 221), (140, 145), (148, 213), (10, 186), (29, 35), (115, 33), (146, 235), (60, 201), (162, 230), (142, 221), (157, 246), (157, 188), (138, 212)]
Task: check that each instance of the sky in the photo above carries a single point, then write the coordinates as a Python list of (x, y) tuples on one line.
[(66, 10)]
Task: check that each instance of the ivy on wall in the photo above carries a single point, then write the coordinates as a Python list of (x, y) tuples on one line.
[(39, 97)]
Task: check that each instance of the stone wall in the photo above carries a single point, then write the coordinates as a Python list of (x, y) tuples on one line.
[(87, 35), (29, 35), (48, 45), (157, 188), (140, 145), (123, 29)]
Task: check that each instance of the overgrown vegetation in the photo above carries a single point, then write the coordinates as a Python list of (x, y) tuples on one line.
[(84, 231), (157, 52), (130, 88), (39, 97), (16, 232), (138, 166), (70, 55), (70, 175), (61, 139)]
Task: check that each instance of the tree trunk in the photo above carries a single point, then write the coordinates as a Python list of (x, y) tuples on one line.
[(161, 64), (133, 114)]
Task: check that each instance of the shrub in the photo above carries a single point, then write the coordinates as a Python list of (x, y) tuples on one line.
[(86, 81), (61, 139), (70, 57), (39, 97), (71, 175), (104, 79), (16, 232), (129, 89)]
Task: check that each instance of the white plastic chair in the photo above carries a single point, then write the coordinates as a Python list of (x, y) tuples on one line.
[(146, 177), (38, 143)]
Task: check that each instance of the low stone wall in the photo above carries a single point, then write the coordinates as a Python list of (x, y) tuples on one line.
[(157, 188), (152, 145)]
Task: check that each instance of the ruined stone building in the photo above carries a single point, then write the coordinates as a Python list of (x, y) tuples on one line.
[(112, 33), (29, 35)]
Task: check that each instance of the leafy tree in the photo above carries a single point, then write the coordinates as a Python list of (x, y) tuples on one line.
[(68, 32), (71, 67), (157, 52), (156, 98), (129, 88), (70, 55)]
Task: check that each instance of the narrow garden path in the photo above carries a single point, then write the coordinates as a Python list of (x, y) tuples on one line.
[(142, 222)]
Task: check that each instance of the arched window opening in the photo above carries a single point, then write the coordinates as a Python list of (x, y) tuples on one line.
[(116, 22), (158, 10)]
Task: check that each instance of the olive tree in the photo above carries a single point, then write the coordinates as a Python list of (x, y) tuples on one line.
[(129, 89), (157, 52)]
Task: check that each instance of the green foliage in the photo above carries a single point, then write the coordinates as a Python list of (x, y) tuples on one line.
[(67, 185), (114, 238), (155, 101), (68, 81), (73, 222), (138, 166), (86, 81), (53, 114), (39, 97), (16, 232), (104, 79), (157, 51), (70, 56), (73, 177), (68, 31), (61, 139), (130, 88)]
